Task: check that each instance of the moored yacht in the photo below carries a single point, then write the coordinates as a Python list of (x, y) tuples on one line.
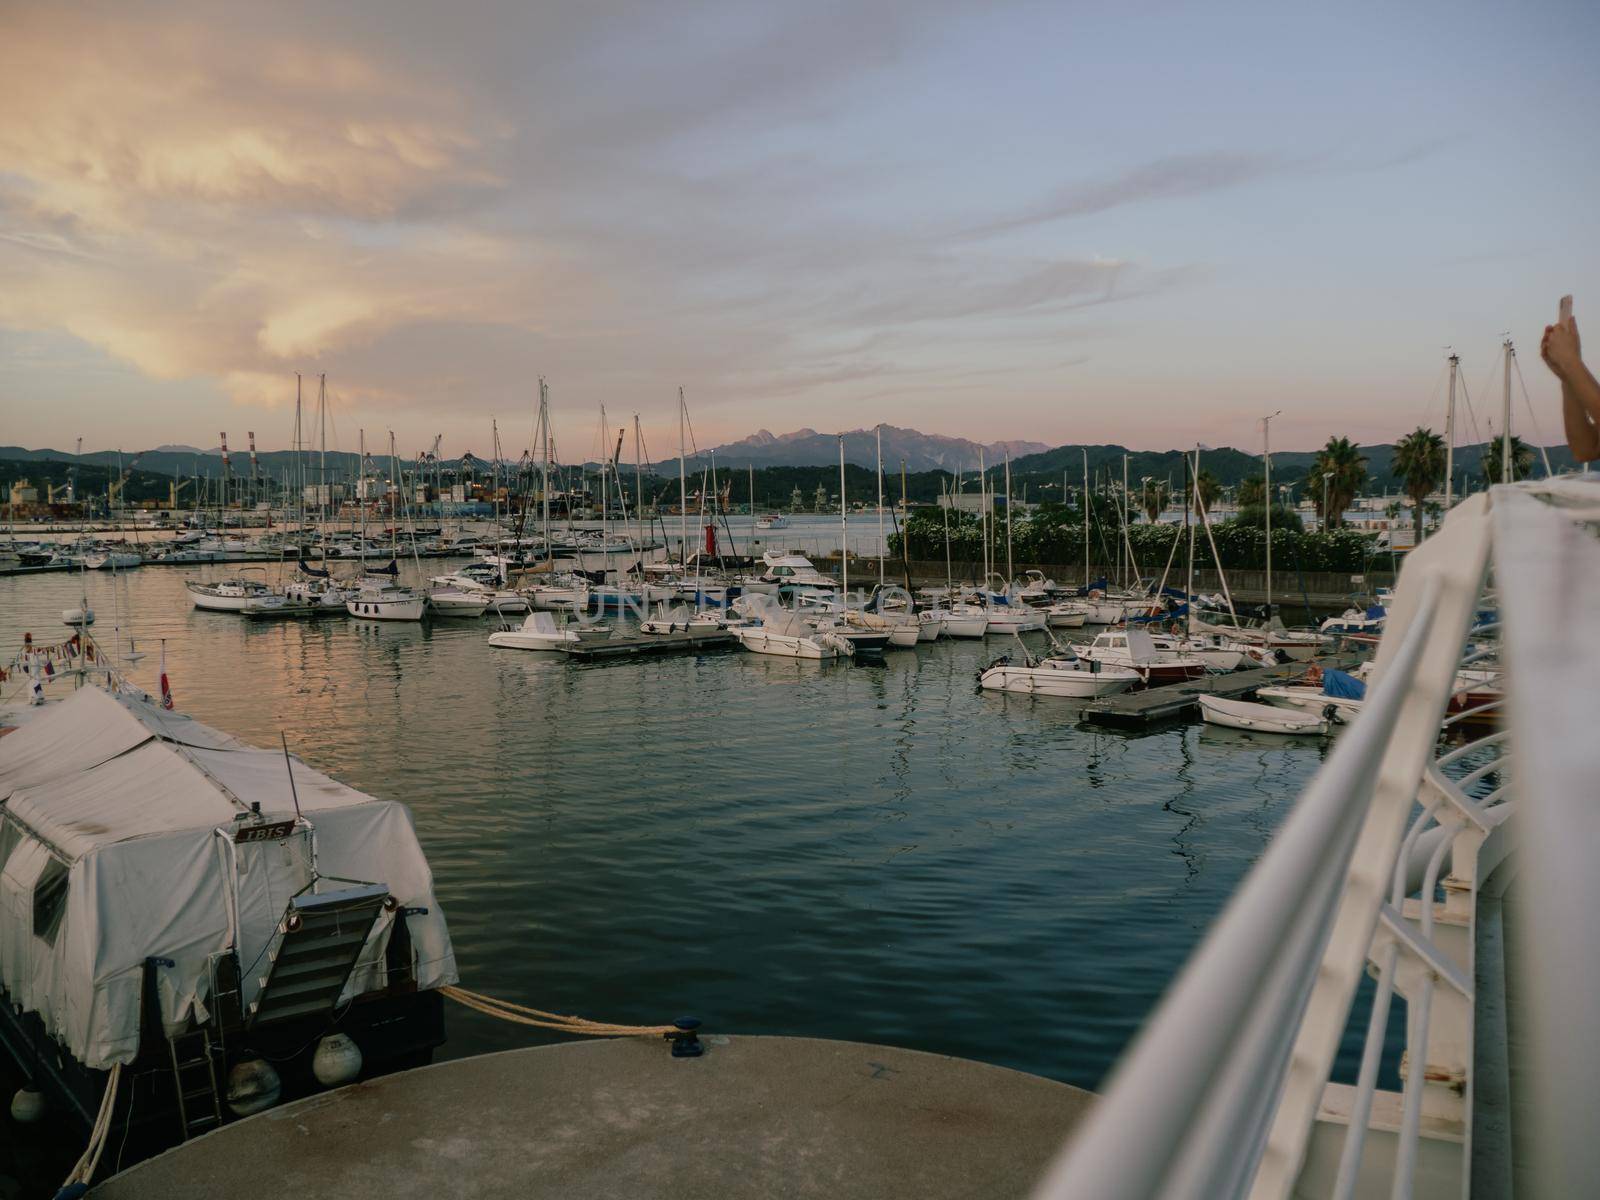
[(381, 599)]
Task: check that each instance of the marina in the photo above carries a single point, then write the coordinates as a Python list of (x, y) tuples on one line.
[(848, 602)]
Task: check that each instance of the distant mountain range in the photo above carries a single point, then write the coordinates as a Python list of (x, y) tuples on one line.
[(805, 458), (919, 451)]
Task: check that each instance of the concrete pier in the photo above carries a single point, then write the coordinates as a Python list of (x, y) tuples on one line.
[(752, 1117)]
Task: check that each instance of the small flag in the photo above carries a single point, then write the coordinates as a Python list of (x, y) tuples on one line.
[(35, 686), (166, 688)]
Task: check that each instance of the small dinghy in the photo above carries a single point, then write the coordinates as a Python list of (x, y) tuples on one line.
[(1261, 718)]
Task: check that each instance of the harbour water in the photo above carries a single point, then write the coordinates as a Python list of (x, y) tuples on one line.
[(868, 852)]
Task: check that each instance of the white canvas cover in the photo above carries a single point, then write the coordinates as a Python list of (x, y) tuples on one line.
[(127, 801)]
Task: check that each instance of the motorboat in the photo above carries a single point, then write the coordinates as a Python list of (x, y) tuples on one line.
[(453, 602), (482, 579), (786, 635), (1068, 614), (679, 618), (903, 630), (1010, 617), (540, 631), (323, 596), (567, 592), (1324, 692), (1065, 676), (1261, 718), (1297, 645), (786, 568), (1035, 588), (380, 599), (1133, 648), (1219, 653), (77, 615), (773, 521), (227, 595)]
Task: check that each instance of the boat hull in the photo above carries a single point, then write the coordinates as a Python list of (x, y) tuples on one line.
[(1050, 681), (368, 609), (759, 641), (1260, 718)]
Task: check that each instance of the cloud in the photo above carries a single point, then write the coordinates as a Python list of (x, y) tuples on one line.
[(1172, 177)]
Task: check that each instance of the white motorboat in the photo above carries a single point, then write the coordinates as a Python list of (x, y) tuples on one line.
[(1069, 614), (1218, 653), (1355, 622), (904, 631), (78, 614), (481, 580), (773, 521), (453, 602), (1133, 648), (786, 635), (1014, 618), (786, 568), (385, 600), (1260, 718), (680, 618), (1072, 678), (563, 593), (1035, 588), (227, 595), (540, 631)]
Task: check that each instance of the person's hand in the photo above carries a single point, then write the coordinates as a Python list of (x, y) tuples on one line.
[(1561, 350)]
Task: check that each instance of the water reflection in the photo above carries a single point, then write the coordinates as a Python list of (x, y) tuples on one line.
[(873, 852)]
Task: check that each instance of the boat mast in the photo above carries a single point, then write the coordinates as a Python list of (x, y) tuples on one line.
[(1505, 419), (882, 545), (844, 536), (638, 489), (1449, 437), (683, 487), (983, 519), (751, 549), (544, 489), (1010, 572), (361, 481), (605, 499), (1266, 470), (1085, 519), (1188, 526), (949, 497)]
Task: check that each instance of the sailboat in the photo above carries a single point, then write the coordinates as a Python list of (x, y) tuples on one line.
[(378, 596)]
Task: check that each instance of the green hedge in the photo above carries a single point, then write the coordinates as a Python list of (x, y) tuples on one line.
[(1056, 536)]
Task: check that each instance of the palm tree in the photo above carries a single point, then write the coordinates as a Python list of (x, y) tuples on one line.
[(1206, 489), (1521, 459), (1419, 461), (1336, 476), (1252, 492), (1153, 498)]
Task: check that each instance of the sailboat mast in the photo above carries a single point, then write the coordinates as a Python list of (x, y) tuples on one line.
[(361, 473), (1188, 525), (983, 517), (1010, 572), (844, 536), (751, 549), (544, 490), (1266, 471), (638, 488), (882, 546), (683, 487), (1505, 419), (1086, 518), (1449, 437)]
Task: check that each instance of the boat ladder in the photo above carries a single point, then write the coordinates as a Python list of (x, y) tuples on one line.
[(194, 1072), (320, 937)]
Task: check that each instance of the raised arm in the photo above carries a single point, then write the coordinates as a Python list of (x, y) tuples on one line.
[(1580, 394)]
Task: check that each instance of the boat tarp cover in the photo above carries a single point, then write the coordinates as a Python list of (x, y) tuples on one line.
[(115, 805), (1343, 685)]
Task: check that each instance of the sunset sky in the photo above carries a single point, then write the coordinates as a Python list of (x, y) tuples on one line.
[(1145, 224)]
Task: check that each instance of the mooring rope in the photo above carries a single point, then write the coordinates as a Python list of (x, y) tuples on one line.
[(521, 1014), (83, 1171)]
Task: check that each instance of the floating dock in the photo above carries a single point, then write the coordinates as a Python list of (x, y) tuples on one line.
[(651, 646), (751, 1117), (1135, 710)]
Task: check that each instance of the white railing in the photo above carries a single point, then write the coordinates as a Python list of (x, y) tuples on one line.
[(1226, 1092)]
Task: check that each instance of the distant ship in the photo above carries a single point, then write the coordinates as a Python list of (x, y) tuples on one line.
[(774, 521)]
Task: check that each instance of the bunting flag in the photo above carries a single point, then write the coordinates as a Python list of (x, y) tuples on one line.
[(35, 687), (166, 688)]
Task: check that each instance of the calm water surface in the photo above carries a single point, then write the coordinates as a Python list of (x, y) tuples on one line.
[(876, 853)]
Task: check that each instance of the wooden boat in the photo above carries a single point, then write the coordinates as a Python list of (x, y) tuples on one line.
[(1260, 718)]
